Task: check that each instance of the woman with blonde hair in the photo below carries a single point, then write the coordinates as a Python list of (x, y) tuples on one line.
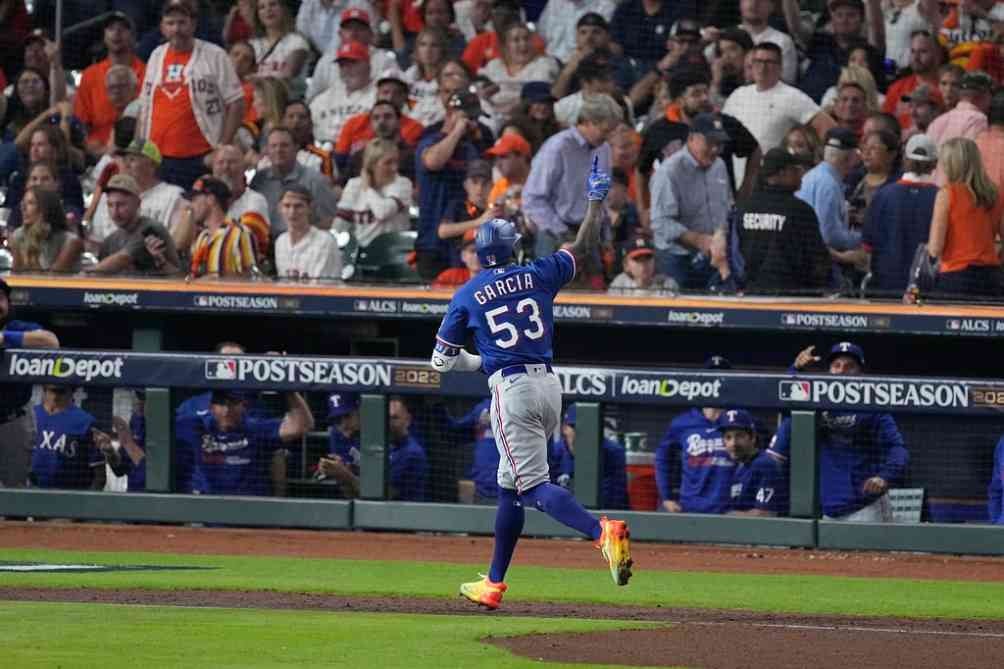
[(269, 99), (518, 64), (42, 243), (860, 76), (377, 201), (966, 222)]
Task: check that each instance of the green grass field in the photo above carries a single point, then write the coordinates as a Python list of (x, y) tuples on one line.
[(111, 636), (74, 635)]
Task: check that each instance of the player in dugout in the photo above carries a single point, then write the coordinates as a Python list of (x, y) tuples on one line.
[(706, 470), (861, 454), (758, 484)]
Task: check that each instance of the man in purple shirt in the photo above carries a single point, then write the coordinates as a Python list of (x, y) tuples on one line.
[(552, 196)]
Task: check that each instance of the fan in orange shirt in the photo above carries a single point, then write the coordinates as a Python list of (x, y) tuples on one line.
[(485, 46), (358, 130), (512, 160), (102, 94)]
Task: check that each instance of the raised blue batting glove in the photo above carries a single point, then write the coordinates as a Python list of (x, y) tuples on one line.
[(598, 184)]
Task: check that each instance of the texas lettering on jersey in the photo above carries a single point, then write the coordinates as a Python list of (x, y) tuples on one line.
[(58, 442)]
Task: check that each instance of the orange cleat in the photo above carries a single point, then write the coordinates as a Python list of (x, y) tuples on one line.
[(484, 592), (615, 545)]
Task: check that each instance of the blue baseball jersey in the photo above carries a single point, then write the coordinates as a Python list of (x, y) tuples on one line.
[(408, 470), (853, 447), (188, 417), (760, 484), (995, 495), (137, 475), (16, 395), (346, 448), (510, 310), (613, 467), (64, 455), (706, 468), (235, 462)]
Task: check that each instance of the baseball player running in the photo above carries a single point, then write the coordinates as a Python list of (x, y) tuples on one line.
[(509, 310)]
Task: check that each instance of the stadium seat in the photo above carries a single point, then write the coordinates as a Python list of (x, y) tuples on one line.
[(384, 260)]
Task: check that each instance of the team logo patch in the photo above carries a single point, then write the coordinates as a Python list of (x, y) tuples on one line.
[(174, 72)]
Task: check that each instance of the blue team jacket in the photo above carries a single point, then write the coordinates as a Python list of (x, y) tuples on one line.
[(853, 447), (707, 469)]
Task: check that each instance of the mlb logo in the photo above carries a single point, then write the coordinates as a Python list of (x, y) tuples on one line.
[(202, 301), (795, 391), (790, 319), (954, 324), (221, 370)]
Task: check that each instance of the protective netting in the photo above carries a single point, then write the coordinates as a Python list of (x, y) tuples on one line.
[(411, 123)]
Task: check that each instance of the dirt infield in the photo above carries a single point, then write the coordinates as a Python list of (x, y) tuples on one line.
[(696, 638), (712, 639)]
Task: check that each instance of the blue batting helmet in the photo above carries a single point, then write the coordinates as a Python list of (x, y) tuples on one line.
[(496, 240)]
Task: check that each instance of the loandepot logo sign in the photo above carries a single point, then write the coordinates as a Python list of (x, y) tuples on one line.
[(286, 370), (876, 393), (689, 390), (43, 567), (83, 369)]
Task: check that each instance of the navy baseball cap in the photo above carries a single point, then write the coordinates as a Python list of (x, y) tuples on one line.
[(570, 415), (342, 404), (536, 91), (710, 126), (847, 348), (717, 362), (841, 138), (736, 419), (224, 395)]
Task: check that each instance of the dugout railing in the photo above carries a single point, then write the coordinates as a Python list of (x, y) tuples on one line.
[(160, 374)]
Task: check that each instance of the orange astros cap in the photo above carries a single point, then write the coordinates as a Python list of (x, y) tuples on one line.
[(509, 143), (352, 51)]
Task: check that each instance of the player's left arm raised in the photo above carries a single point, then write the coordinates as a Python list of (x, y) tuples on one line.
[(588, 237)]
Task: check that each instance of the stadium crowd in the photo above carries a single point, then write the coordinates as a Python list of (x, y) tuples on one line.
[(756, 146)]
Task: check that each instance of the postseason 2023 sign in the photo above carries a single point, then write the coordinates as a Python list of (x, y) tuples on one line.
[(672, 387)]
